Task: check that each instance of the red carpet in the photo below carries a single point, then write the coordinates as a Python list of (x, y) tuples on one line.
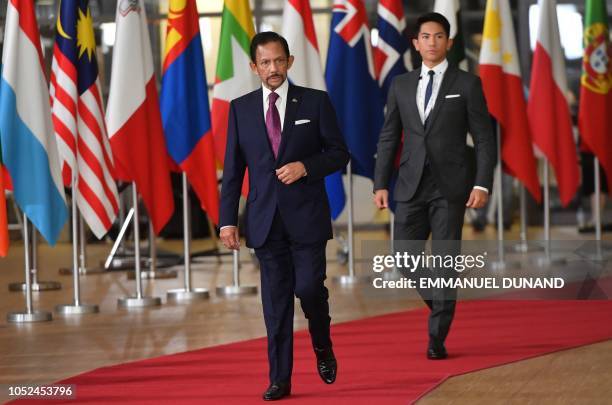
[(381, 359)]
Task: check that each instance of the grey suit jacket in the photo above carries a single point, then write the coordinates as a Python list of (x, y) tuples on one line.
[(455, 168)]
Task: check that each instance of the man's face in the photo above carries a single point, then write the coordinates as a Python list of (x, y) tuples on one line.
[(432, 43), (271, 64)]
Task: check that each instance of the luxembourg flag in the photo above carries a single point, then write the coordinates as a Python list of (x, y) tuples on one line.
[(28, 142), (133, 117), (547, 109), (298, 30)]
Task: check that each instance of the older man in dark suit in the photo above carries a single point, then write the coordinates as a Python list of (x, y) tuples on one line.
[(288, 138)]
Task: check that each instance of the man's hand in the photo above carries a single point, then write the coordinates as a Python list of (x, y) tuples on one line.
[(230, 238), (478, 199), (381, 199), (291, 172)]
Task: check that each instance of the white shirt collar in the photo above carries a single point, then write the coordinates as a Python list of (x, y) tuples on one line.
[(440, 68), (282, 91)]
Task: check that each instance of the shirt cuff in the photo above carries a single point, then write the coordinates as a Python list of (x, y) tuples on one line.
[(486, 190), (227, 226)]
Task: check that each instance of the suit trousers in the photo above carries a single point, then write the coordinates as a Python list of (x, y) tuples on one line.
[(428, 212), (290, 268)]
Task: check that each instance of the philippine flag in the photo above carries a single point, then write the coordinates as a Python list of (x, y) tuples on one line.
[(29, 149)]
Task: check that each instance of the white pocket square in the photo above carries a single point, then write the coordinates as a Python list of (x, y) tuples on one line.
[(453, 95), (300, 122)]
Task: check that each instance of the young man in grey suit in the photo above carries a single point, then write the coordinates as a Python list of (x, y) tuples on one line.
[(435, 107)]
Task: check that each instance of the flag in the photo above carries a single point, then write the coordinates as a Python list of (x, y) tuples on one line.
[(133, 116), (299, 31), (595, 107), (78, 117), (547, 108), (184, 105), (451, 9), (392, 53), (28, 144), (354, 91), (233, 77), (503, 87), (4, 236)]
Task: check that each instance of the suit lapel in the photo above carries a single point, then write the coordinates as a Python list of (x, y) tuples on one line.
[(412, 97), (449, 77), (261, 123), (293, 102)]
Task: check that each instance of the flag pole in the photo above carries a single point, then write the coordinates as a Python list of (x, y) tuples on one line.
[(523, 245), (138, 300), (30, 315), (83, 270), (35, 285), (187, 293), (76, 308), (351, 278), (598, 256), (119, 241), (501, 264), (547, 260), (236, 288), (394, 274), (153, 272)]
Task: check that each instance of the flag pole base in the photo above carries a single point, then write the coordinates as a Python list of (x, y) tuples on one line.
[(503, 265), (352, 280), (65, 271), (39, 286), (524, 247), (138, 302), (80, 309), (25, 317), (154, 274), (233, 290), (183, 295), (552, 261)]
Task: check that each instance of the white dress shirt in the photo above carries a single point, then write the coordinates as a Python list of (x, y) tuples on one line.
[(281, 101), (438, 76), (439, 71)]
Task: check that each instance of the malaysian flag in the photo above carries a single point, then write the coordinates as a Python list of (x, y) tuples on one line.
[(78, 117)]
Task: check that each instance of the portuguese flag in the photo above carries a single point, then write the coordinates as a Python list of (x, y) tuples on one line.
[(4, 239), (595, 94), (233, 77)]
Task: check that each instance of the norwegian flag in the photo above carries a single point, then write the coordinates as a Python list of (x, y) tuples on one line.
[(392, 52), (78, 118)]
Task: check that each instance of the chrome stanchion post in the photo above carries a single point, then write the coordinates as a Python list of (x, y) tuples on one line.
[(137, 301), (547, 260), (394, 274), (236, 288), (76, 307), (501, 264), (30, 315), (83, 270), (187, 293), (153, 272), (351, 278), (35, 284)]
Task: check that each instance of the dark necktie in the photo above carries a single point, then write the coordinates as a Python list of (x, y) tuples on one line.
[(273, 123), (429, 90)]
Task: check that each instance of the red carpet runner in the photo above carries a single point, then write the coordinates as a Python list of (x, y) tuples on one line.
[(381, 359)]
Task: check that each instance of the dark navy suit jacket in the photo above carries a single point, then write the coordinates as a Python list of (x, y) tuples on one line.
[(318, 144)]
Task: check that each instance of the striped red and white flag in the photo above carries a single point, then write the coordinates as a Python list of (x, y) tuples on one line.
[(78, 118)]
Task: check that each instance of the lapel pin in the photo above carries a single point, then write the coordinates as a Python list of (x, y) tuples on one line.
[(294, 100)]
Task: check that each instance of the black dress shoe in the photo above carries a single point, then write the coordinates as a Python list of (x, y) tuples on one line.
[(437, 354), (277, 391), (327, 366)]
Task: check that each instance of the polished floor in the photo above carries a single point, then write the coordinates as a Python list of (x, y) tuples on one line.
[(68, 345)]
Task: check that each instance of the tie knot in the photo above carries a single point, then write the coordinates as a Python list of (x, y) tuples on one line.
[(431, 73), (273, 97)]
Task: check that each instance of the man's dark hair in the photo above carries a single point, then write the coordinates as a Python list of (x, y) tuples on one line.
[(433, 17), (266, 37)]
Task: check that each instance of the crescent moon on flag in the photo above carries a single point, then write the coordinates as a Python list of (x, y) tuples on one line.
[(60, 29)]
